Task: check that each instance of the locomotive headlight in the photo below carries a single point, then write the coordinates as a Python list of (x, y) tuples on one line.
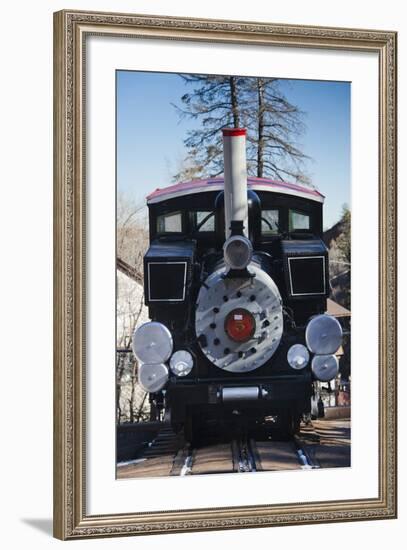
[(325, 367), (152, 378), (298, 356), (181, 363), (152, 343), (237, 252), (323, 334)]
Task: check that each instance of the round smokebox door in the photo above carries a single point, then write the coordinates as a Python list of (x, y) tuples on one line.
[(239, 322)]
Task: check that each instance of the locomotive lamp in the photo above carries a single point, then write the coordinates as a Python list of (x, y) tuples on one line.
[(237, 252), (181, 363), (298, 356), (325, 367), (152, 378), (152, 343), (323, 335)]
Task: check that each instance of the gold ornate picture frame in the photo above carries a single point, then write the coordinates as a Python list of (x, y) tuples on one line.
[(71, 31)]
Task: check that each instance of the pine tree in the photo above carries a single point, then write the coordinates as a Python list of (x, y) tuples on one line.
[(258, 104), (214, 101), (273, 125)]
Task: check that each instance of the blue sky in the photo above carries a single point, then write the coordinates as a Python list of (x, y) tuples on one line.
[(150, 134)]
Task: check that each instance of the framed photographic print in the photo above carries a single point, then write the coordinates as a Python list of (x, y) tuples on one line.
[(225, 267)]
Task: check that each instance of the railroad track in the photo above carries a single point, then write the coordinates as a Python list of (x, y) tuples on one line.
[(168, 454), (245, 455), (244, 459)]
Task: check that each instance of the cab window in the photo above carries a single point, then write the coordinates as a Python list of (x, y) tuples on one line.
[(169, 223), (270, 222), (203, 221), (299, 221)]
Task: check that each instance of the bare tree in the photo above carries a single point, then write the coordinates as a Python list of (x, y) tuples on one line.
[(214, 100), (274, 125), (132, 241), (273, 122), (132, 232)]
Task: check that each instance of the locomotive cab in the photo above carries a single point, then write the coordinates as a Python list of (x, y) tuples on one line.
[(236, 282)]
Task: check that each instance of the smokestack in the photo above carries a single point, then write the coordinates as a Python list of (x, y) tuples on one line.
[(234, 154)]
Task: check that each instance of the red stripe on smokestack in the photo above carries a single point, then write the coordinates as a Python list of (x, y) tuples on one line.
[(234, 131)]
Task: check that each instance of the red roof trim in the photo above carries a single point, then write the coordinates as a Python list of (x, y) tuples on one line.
[(252, 181), (234, 131)]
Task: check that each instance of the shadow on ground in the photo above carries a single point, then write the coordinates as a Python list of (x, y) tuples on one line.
[(40, 524)]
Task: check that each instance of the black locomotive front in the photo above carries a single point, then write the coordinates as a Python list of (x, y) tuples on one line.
[(236, 281)]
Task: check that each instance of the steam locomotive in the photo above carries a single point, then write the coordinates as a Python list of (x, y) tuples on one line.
[(236, 282)]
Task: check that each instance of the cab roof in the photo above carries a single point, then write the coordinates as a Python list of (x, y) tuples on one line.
[(217, 184)]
